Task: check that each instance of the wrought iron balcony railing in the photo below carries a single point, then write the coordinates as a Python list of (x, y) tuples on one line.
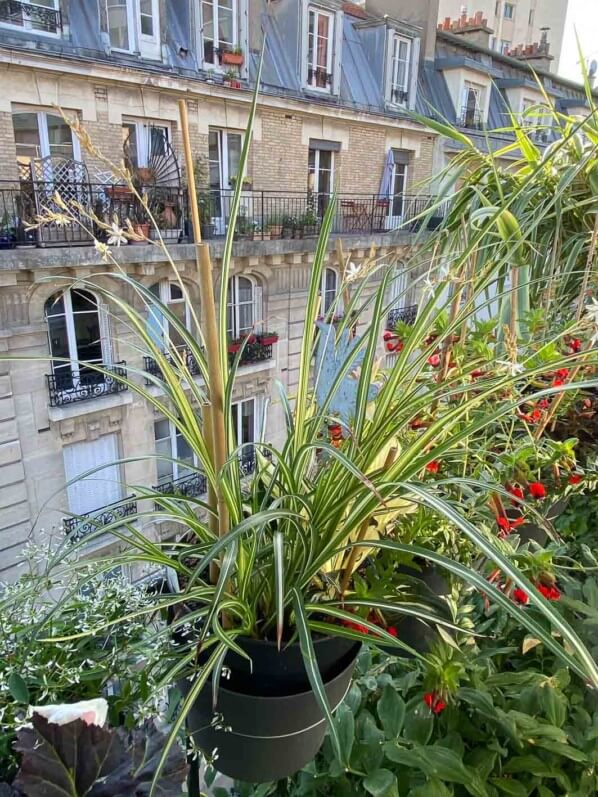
[(79, 527), (254, 351), (67, 386), (152, 367), (191, 485), (405, 314), (471, 118), (31, 16)]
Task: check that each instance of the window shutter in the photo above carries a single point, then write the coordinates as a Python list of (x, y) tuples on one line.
[(336, 55), (260, 425), (105, 336), (389, 52), (304, 32), (100, 488), (414, 67), (258, 309)]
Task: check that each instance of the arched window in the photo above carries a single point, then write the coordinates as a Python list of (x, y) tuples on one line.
[(329, 291), (75, 336), (164, 332), (244, 308)]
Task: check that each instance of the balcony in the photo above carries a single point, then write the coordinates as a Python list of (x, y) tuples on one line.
[(82, 526), (471, 118), (151, 366), (21, 204), (406, 315), (256, 350), (67, 386), (30, 16), (191, 486)]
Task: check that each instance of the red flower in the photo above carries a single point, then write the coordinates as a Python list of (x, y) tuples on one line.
[(550, 593), (562, 373), (417, 423), (516, 492), (507, 526), (392, 631), (558, 382), (434, 702), (355, 626), (477, 373), (575, 478), (433, 466), (434, 360), (544, 404), (537, 490), (575, 344), (388, 335), (520, 596)]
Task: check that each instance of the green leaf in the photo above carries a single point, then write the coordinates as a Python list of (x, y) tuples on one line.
[(531, 765), (345, 723), (419, 722), (564, 750), (391, 711), (433, 788), (18, 688), (448, 766), (379, 783), (555, 704), (511, 787)]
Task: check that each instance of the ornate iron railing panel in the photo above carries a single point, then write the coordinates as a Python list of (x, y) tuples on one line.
[(191, 485), (405, 314), (79, 527), (30, 15), (66, 386), (151, 366)]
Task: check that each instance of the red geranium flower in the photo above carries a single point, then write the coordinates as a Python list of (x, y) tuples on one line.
[(515, 491), (550, 593), (520, 596), (558, 382), (434, 360), (562, 373), (433, 466), (537, 490), (434, 702), (575, 478), (575, 344)]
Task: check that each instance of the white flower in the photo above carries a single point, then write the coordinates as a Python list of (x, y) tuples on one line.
[(103, 250), (352, 271), (92, 712), (512, 368), (117, 236), (592, 311)]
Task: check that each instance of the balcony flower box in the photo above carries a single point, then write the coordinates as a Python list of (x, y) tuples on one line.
[(232, 83), (234, 346), (268, 338), (232, 58), (251, 338)]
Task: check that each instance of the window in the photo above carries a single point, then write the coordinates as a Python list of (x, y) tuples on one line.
[(162, 330), (144, 141), (171, 445), (400, 71), (133, 25), (243, 311), (398, 186), (100, 488), (471, 109), (244, 429), (320, 171), (505, 46), (320, 38), (39, 16), (224, 155), (509, 11), (497, 8), (39, 134), (329, 291), (219, 20), (75, 337)]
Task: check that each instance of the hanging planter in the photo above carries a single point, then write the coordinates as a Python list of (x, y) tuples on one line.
[(274, 725), (234, 347)]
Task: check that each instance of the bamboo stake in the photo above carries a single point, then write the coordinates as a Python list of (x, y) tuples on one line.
[(213, 414), (390, 458)]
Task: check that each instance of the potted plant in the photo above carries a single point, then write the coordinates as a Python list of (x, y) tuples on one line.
[(232, 57), (261, 234), (268, 338), (244, 227), (247, 182), (169, 233), (233, 346), (274, 225), (231, 79)]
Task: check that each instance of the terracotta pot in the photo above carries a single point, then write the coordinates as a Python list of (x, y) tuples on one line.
[(232, 59)]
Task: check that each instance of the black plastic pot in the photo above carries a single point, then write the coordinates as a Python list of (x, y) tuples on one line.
[(268, 723)]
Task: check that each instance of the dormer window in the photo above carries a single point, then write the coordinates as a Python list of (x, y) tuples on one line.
[(133, 26), (219, 29), (320, 47), (400, 72), (472, 107)]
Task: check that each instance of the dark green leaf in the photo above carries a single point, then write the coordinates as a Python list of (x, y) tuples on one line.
[(511, 787), (379, 783), (391, 711), (531, 765), (345, 723), (18, 688), (419, 722)]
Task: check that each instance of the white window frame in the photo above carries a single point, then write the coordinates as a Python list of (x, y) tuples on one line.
[(147, 46), (336, 303), (173, 434), (71, 335), (511, 7), (480, 92), (311, 84), (165, 296), (216, 65), (316, 188), (395, 43), (142, 136), (29, 27), (239, 424), (42, 129), (256, 307)]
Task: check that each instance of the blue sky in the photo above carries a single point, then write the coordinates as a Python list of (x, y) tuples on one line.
[(582, 17)]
